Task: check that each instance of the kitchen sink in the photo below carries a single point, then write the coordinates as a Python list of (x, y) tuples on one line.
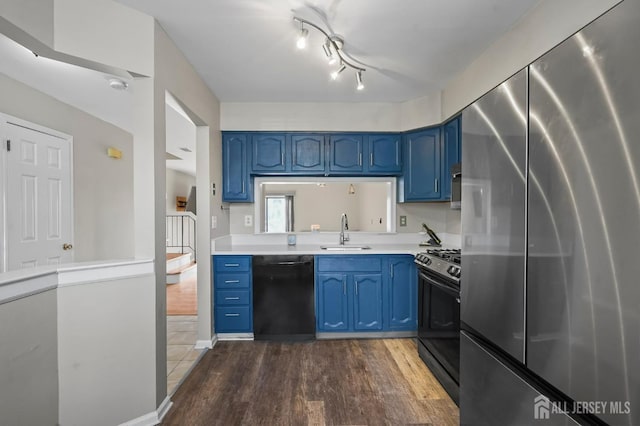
[(344, 248)]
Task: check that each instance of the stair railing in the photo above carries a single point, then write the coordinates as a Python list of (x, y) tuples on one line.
[(181, 232)]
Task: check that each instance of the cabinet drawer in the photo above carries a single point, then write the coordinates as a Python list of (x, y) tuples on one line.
[(232, 297), (232, 263), (349, 263), (233, 319), (232, 281)]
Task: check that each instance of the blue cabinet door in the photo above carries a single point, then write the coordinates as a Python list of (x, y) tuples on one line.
[(345, 153), (385, 154), (367, 302), (451, 153), (402, 294), (333, 311), (307, 154), (268, 153), (236, 182), (421, 180)]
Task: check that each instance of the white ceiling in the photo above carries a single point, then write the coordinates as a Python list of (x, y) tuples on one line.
[(245, 49)]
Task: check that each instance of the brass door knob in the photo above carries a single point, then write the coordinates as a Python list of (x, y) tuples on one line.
[(67, 246)]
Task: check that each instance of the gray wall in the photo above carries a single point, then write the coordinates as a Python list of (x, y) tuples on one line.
[(102, 186), (29, 361), (178, 184)]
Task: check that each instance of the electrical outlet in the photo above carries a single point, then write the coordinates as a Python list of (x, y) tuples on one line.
[(403, 221), (214, 222), (248, 220)]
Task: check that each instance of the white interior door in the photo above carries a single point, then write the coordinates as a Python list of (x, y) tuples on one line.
[(38, 198)]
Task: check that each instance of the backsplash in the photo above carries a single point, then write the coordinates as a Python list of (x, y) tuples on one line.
[(438, 216)]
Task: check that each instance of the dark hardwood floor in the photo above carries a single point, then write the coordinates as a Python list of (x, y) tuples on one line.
[(326, 382)]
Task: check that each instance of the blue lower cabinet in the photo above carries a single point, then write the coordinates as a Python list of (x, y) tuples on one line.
[(366, 293), (233, 319), (349, 293), (401, 294), (232, 294), (332, 306), (367, 302)]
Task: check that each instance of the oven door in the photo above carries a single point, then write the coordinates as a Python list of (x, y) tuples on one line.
[(439, 321)]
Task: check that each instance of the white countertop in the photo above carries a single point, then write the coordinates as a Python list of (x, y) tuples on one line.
[(311, 244), (275, 249)]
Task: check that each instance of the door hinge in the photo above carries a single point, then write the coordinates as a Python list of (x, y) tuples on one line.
[(8, 145)]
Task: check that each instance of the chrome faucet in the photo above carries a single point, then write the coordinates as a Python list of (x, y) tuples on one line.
[(344, 226)]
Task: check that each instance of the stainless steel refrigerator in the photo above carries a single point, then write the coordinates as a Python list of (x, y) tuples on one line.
[(550, 303)]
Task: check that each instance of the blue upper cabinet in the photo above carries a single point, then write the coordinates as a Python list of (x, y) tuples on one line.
[(384, 153), (451, 153), (345, 153), (421, 179), (236, 182), (268, 153), (307, 154)]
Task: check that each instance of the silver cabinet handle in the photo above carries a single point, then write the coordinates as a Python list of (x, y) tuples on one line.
[(391, 271), (360, 159), (231, 281), (231, 265), (371, 159), (231, 298), (356, 287), (282, 156), (344, 285), (243, 187), (436, 189), (231, 315)]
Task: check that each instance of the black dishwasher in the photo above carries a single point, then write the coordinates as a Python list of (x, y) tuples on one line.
[(283, 299)]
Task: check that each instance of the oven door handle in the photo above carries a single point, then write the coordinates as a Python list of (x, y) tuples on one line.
[(451, 290)]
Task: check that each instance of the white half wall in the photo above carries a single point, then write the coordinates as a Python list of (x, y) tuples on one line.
[(102, 186), (29, 361), (105, 344), (545, 26)]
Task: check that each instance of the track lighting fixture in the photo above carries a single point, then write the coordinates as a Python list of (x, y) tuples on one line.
[(359, 84), (332, 48), (302, 38), (336, 73)]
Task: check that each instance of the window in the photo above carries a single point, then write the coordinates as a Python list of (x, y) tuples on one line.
[(278, 213)]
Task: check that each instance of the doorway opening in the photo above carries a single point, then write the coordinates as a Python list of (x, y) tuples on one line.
[(181, 221)]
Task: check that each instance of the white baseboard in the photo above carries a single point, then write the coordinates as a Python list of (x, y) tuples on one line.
[(207, 344), (153, 418), (235, 336)]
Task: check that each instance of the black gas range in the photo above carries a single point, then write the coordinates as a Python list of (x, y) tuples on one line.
[(439, 275), (444, 263)]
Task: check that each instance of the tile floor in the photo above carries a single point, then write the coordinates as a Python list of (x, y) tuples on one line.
[(181, 354)]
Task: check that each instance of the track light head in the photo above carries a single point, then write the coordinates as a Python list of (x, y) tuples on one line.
[(359, 84), (302, 38), (336, 73), (327, 48)]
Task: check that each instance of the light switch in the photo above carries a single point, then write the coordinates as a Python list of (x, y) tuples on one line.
[(248, 220)]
